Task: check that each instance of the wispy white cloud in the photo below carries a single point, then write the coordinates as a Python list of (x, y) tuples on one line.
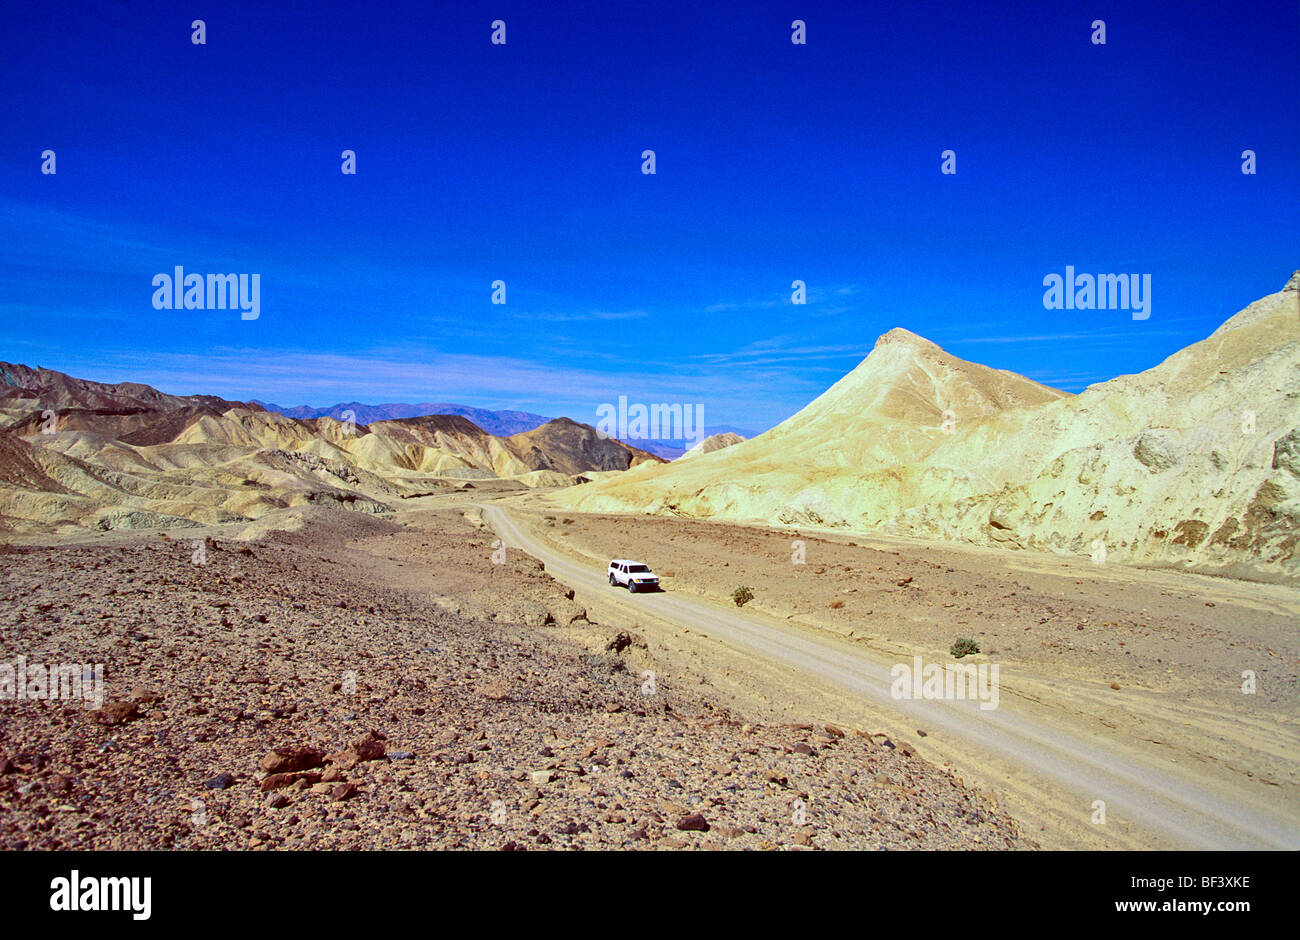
[(783, 348), (1111, 335), (590, 315), (731, 306), (1068, 381), (816, 297)]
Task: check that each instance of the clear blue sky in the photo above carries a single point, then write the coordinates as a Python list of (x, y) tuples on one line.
[(522, 162)]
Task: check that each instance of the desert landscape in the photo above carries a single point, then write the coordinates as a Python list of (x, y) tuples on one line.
[(324, 633), (1190, 465), (431, 433)]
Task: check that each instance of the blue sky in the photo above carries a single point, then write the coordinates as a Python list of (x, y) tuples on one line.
[(522, 162)]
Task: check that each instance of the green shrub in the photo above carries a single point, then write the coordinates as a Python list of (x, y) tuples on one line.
[(742, 596), (963, 647)]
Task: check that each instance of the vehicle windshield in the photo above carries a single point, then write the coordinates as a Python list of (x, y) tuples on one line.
[(638, 569)]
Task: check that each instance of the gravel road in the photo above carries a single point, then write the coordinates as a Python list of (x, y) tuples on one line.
[(1171, 805)]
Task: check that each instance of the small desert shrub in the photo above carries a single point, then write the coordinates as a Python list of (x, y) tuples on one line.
[(742, 596), (963, 647), (836, 604)]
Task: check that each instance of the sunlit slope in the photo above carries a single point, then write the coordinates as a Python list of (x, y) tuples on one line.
[(1191, 463)]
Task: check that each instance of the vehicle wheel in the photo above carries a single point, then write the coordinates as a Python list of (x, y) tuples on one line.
[(631, 587), (611, 581)]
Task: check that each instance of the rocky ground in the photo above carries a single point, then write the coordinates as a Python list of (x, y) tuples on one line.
[(334, 689), (1198, 673)]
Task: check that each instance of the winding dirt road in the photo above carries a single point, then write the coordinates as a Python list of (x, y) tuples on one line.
[(1047, 765)]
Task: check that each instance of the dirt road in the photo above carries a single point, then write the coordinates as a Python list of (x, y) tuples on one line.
[(1052, 768)]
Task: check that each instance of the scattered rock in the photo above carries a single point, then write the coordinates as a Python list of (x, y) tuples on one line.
[(370, 747), (288, 759), (116, 713), (279, 781), (58, 783), (695, 822)]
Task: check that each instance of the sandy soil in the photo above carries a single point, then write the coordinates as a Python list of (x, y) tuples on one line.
[(1152, 660)]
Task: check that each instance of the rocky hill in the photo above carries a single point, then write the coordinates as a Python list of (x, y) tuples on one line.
[(1191, 464)]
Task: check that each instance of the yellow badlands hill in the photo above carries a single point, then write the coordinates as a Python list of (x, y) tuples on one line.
[(78, 455), (713, 442), (1194, 463)]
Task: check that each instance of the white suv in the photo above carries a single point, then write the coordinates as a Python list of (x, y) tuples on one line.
[(633, 575)]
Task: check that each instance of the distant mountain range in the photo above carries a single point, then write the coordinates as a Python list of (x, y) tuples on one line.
[(498, 423)]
